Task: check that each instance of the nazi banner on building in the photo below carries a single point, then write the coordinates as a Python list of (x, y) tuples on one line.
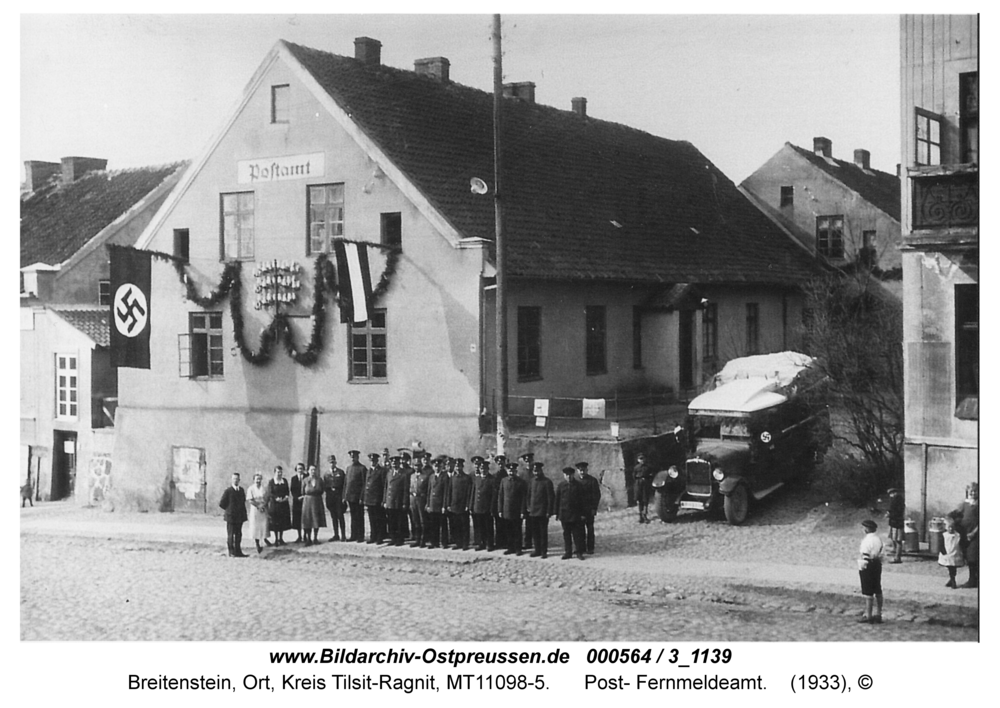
[(130, 307)]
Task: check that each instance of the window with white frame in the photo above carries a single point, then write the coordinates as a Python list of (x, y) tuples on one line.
[(67, 387), (326, 216), (237, 227), (368, 349), (200, 350), (830, 236), (928, 138)]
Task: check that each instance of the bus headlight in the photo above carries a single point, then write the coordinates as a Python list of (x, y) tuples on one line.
[(718, 474), (672, 472)]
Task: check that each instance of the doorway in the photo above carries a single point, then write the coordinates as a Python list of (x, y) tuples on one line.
[(63, 464)]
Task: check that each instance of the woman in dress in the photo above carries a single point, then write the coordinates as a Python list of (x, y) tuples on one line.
[(257, 499), (278, 514), (313, 515)]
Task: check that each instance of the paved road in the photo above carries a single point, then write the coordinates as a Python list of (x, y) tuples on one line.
[(90, 575)]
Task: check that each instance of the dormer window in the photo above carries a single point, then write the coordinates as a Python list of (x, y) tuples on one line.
[(279, 103)]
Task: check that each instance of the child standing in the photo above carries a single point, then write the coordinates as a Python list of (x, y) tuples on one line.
[(951, 558)]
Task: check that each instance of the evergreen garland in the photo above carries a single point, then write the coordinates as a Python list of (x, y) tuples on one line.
[(324, 281)]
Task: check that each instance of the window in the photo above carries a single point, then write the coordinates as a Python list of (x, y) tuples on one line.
[(636, 338), (368, 349), (392, 229), (787, 196), (967, 350), (710, 332), (529, 343), (182, 245), (928, 134), (753, 328), (202, 357), (67, 387), (103, 292), (237, 226), (830, 236), (326, 216), (597, 360), (279, 103), (969, 117)]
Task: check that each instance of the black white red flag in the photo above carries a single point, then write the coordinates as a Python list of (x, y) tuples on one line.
[(354, 281), (130, 307)]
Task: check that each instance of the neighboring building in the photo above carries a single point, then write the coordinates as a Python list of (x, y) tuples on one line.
[(939, 57), (69, 211), (845, 212), (633, 264)]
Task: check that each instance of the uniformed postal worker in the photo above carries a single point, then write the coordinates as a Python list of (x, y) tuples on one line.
[(397, 499), (591, 503), (541, 505), (643, 474), (481, 505), (373, 496), (513, 504), (569, 511), (333, 483), (525, 472), (438, 486), (354, 489), (418, 500), (459, 497), (404, 456), (499, 523)]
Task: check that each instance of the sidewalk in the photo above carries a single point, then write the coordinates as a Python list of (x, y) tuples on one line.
[(922, 583)]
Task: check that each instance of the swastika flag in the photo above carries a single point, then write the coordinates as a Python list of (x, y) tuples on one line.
[(130, 307)]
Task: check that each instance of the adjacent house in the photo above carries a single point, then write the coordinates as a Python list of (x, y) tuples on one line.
[(845, 212), (939, 57), (69, 211), (633, 264)]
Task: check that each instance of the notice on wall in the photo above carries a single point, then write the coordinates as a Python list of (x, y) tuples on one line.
[(277, 169), (189, 470), (541, 408), (594, 408), (540, 421)]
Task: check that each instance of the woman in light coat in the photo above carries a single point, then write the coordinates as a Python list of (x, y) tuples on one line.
[(257, 500)]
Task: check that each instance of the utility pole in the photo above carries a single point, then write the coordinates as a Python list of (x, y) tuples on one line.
[(501, 298)]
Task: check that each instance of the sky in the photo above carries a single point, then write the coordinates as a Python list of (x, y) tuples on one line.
[(153, 89)]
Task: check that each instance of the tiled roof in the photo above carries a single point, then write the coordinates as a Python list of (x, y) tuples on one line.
[(93, 322), (58, 219), (880, 189), (583, 198)]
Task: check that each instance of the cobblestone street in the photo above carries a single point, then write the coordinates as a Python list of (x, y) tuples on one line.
[(788, 575)]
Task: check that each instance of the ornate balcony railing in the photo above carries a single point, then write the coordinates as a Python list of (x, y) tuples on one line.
[(945, 199)]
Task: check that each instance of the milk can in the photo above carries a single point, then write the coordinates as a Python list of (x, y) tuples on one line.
[(935, 535), (911, 538)]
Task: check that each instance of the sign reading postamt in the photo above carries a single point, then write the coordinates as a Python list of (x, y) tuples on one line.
[(276, 169)]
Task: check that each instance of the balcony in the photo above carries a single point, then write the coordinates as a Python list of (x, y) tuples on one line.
[(945, 200)]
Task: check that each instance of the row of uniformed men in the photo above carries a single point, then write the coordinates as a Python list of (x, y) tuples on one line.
[(430, 500)]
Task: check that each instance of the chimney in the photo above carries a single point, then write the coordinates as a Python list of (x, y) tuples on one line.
[(434, 67), (863, 158), (823, 147), (39, 280), (368, 51), (579, 106), (73, 168), (523, 91), (37, 173)]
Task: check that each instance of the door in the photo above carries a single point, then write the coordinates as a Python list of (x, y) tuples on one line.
[(685, 357), (63, 464)]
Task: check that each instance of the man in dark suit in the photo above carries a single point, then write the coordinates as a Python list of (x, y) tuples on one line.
[(234, 505), (295, 489), (591, 503), (373, 497), (512, 500), (643, 474), (569, 510), (541, 505), (354, 489)]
